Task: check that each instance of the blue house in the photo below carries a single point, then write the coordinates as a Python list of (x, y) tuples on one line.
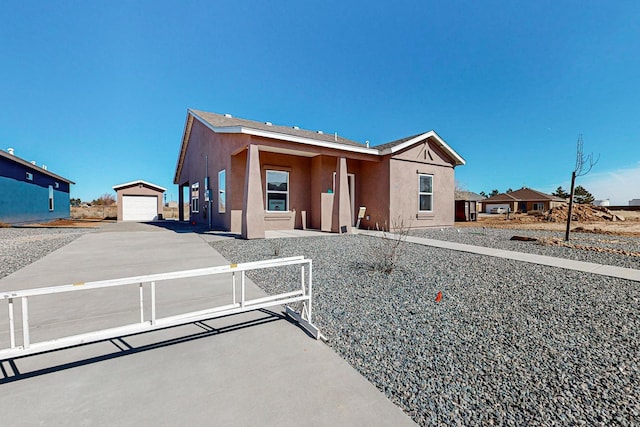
[(30, 193)]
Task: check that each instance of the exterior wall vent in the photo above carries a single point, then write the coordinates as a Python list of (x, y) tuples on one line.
[(228, 116), (29, 176), (10, 151)]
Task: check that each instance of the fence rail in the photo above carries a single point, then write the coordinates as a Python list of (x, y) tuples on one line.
[(238, 304)]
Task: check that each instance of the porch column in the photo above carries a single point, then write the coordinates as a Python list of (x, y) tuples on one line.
[(180, 202), (341, 215), (252, 202)]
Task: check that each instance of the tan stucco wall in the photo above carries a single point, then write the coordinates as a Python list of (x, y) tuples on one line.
[(373, 186), (219, 149), (405, 168), (299, 169)]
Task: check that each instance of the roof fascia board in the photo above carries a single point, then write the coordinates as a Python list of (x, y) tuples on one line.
[(285, 137), (431, 134), (23, 162), (183, 147), (129, 184)]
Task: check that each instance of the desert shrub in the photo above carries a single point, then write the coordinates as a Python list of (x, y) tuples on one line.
[(383, 251)]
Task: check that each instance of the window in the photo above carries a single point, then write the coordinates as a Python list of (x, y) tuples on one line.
[(222, 191), (537, 207), (195, 197), (29, 176), (50, 197), (425, 193), (277, 191)]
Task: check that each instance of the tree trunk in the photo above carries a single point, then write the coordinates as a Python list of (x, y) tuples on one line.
[(573, 183)]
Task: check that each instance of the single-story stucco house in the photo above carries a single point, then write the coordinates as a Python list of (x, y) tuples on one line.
[(31, 193), (523, 200), (247, 176)]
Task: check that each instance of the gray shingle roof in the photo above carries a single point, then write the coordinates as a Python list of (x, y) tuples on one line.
[(397, 142), (221, 120), (523, 194)]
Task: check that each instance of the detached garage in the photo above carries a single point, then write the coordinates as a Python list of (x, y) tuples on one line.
[(139, 201)]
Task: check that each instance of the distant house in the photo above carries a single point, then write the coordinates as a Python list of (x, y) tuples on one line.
[(31, 193), (246, 176), (467, 205), (139, 201), (522, 200)]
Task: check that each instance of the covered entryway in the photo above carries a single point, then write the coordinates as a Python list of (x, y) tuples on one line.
[(139, 201)]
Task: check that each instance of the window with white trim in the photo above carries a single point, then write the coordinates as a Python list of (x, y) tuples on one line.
[(51, 198), (195, 197), (222, 191), (537, 207), (277, 191), (425, 193)]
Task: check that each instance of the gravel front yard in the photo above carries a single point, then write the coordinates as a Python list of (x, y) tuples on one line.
[(510, 343)]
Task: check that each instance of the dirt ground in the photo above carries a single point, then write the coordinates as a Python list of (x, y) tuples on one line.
[(630, 226), (74, 223)]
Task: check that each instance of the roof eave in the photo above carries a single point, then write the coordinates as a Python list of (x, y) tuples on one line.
[(23, 162), (283, 136), (139, 181), (183, 146)]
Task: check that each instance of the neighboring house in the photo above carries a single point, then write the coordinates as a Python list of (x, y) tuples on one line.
[(30, 193), (139, 201), (522, 200), (247, 177), (467, 205)]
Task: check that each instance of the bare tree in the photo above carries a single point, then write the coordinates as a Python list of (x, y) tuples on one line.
[(581, 169)]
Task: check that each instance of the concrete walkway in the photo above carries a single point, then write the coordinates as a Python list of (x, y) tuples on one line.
[(587, 267), (251, 369)]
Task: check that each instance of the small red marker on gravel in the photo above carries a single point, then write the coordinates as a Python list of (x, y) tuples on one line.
[(439, 297)]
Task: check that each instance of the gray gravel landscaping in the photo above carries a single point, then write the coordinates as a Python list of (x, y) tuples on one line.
[(500, 238), (20, 247), (510, 343)]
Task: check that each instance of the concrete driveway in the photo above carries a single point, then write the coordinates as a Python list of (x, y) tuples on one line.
[(251, 369)]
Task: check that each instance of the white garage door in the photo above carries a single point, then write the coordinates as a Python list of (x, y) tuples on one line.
[(139, 208), (504, 206)]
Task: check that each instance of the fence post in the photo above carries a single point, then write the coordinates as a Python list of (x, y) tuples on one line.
[(25, 322)]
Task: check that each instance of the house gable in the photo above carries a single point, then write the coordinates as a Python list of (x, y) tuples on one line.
[(431, 138), (425, 151), (139, 183)]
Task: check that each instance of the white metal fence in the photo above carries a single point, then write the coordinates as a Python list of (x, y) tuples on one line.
[(238, 304)]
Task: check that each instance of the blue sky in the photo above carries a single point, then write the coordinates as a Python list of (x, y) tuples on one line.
[(98, 90)]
